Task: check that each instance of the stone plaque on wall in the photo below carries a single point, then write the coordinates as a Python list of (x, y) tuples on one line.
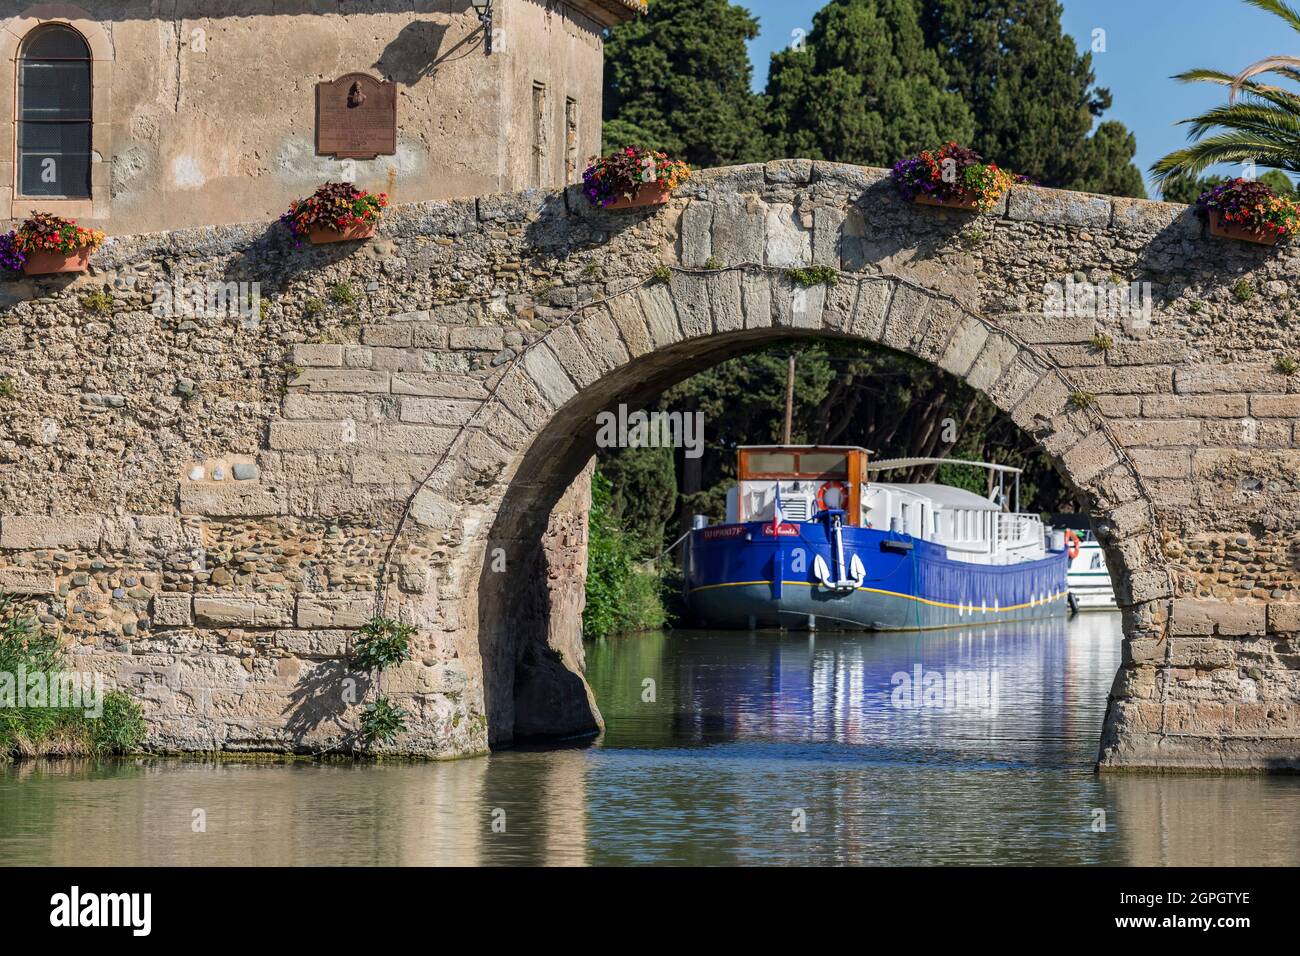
[(356, 117)]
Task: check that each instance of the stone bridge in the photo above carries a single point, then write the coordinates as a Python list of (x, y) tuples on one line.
[(207, 505)]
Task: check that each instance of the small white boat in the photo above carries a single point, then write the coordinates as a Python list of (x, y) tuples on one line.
[(1088, 576)]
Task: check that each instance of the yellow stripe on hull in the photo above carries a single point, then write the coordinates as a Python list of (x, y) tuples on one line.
[(911, 597)]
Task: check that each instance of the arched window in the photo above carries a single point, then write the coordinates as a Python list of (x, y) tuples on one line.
[(54, 115)]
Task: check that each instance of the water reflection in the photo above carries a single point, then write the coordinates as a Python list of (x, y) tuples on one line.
[(720, 748)]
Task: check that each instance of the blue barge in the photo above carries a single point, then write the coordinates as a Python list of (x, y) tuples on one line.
[(810, 542)]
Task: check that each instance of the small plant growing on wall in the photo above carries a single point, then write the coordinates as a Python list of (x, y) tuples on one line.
[(342, 293), (46, 244), (99, 302), (1286, 365), (632, 177), (814, 275), (381, 643), (334, 213)]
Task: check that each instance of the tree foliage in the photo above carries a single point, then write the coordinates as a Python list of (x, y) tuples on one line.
[(1032, 94), (678, 80), (622, 593), (865, 88)]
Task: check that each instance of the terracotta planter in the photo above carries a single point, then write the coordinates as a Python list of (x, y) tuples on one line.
[(319, 235), (651, 194), (923, 199), (1230, 230), (46, 263)]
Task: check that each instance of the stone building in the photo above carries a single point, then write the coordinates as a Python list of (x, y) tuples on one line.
[(136, 117)]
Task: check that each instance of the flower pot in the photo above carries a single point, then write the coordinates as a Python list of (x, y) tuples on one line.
[(971, 203), (48, 262), (651, 194), (1232, 230), (319, 235)]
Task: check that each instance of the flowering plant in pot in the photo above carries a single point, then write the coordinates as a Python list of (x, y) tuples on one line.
[(1249, 210), (632, 177), (45, 244), (954, 176), (334, 213)]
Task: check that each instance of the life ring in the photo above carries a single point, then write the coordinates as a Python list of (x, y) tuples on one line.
[(827, 486), (1072, 544)]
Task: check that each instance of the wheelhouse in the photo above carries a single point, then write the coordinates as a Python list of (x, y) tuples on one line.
[(806, 479)]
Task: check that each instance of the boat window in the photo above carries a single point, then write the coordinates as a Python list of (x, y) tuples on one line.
[(824, 465), (771, 463)]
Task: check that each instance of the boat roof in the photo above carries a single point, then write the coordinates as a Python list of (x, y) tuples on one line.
[(888, 464), (943, 495), (803, 448)]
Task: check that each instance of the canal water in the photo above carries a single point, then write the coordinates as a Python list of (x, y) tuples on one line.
[(972, 746)]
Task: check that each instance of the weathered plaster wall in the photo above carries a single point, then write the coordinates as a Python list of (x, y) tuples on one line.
[(205, 113), (416, 408)]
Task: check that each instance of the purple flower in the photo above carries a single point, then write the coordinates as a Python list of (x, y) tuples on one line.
[(10, 256)]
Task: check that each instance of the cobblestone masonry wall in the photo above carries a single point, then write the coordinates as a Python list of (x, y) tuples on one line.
[(206, 508)]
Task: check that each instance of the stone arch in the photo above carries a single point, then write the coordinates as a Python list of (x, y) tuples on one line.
[(537, 430)]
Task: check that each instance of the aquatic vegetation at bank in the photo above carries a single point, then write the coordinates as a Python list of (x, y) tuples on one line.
[(47, 711), (623, 593)]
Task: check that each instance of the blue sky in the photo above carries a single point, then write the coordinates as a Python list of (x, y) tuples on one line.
[(1147, 42)]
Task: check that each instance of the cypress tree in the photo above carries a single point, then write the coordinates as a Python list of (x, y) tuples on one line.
[(863, 89), (678, 79), (1032, 94)]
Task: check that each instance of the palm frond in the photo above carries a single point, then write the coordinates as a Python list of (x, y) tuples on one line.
[(1231, 147), (1256, 118), (1274, 94), (1279, 8), (1271, 64), (1260, 123)]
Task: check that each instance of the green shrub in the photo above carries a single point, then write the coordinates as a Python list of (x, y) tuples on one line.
[(381, 722), (622, 595), (57, 731), (382, 643)]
